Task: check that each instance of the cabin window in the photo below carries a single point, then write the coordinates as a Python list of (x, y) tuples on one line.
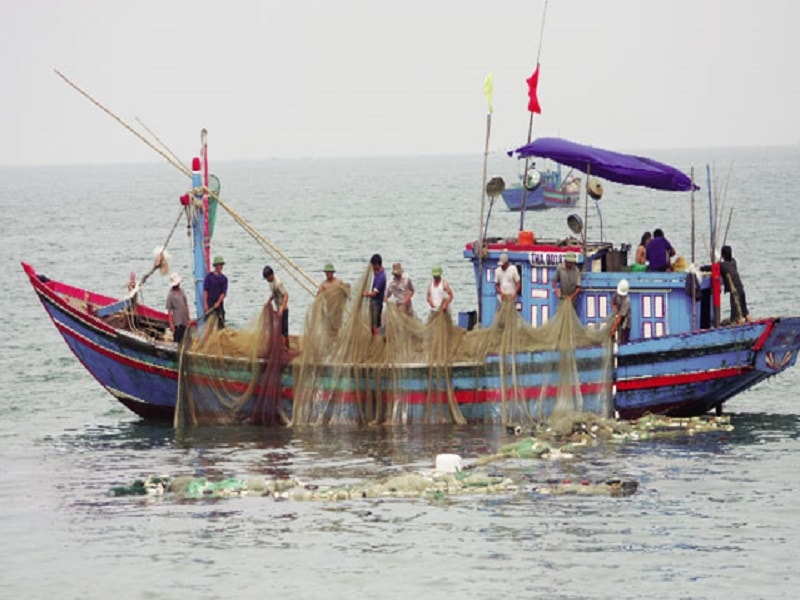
[(539, 315), (603, 306), (539, 275), (596, 307), (654, 315), (659, 302)]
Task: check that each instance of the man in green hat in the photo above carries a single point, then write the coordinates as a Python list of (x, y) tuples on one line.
[(440, 294), (215, 288), (330, 277), (567, 280)]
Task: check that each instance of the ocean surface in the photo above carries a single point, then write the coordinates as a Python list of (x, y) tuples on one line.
[(715, 515)]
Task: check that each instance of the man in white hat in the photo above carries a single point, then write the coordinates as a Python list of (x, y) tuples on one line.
[(177, 309), (401, 288), (621, 305), (507, 283), (567, 280)]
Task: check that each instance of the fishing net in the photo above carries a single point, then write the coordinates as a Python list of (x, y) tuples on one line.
[(228, 376), (414, 372), (537, 368), (347, 375)]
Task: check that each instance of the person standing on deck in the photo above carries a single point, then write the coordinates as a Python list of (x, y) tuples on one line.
[(215, 289), (733, 285), (401, 288), (507, 283), (280, 299), (330, 278), (567, 280), (377, 293), (440, 294), (659, 252), (177, 309), (621, 305)]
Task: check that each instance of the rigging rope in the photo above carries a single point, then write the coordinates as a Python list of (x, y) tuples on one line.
[(271, 249)]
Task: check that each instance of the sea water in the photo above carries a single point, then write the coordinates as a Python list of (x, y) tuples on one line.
[(715, 515)]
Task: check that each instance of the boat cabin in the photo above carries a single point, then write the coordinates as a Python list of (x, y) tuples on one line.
[(661, 303)]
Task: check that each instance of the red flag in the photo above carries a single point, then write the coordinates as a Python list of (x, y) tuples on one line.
[(533, 82)]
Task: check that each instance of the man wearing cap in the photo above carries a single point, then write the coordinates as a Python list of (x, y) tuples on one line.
[(440, 294), (215, 288), (567, 280), (177, 309), (376, 293), (280, 300), (621, 305), (507, 283), (330, 278), (401, 288)]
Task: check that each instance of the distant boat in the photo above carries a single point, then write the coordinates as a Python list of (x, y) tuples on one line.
[(549, 191)]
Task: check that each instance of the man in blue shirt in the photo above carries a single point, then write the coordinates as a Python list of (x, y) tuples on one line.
[(215, 288), (659, 251), (377, 292)]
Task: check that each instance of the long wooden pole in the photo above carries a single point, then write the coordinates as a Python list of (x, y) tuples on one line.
[(479, 249), (310, 286)]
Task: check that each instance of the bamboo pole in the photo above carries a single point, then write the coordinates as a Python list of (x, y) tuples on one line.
[(479, 250), (523, 207), (310, 284)]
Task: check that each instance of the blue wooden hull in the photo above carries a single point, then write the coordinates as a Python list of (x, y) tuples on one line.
[(680, 375)]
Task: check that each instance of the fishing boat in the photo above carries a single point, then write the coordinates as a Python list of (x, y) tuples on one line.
[(678, 361), (543, 189)]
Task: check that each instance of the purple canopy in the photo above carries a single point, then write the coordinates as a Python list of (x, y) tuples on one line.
[(622, 168)]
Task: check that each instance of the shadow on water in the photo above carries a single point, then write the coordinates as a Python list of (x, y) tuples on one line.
[(755, 427)]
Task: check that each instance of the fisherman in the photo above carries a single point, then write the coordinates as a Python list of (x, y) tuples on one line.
[(177, 309), (507, 282), (733, 285), (440, 294), (377, 293), (401, 288), (215, 289), (621, 305), (279, 298), (330, 278), (567, 280), (659, 252)]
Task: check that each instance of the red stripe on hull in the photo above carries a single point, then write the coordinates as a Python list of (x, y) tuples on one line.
[(680, 379)]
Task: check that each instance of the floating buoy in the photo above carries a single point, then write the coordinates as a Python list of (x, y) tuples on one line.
[(448, 463)]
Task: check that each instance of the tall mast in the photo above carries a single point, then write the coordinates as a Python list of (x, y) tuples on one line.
[(533, 107), (200, 227)]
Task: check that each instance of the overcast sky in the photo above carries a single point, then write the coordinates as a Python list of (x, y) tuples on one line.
[(365, 77)]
